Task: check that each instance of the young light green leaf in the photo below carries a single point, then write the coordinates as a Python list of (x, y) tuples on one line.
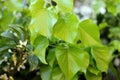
[(75, 77), (71, 60), (51, 57), (14, 5), (66, 27), (89, 33), (90, 76), (42, 20), (36, 6), (6, 20), (92, 69), (40, 44), (57, 74), (102, 57), (42, 23), (45, 72), (48, 73), (65, 5)]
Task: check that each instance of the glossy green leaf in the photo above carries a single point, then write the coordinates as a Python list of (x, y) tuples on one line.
[(89, 33), (40, 44), (19, 31), (66, 27), (71, 60), (33, 62), (11, 35), (7, 34), (65, 5), (102, 57)]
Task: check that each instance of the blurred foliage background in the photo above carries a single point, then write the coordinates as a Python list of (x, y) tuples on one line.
[(106, 13)]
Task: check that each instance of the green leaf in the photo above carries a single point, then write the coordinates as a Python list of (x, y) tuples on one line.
[(51, 57), (71, 60), (6, 20), (45, 72), (90, 76), (102, 57), (102, 25), (10, 35), (57, 74), (92, 69), (51, 74), (42, 20), (89, 33), (1, 15), (42, 23), (66, 27), (18, 30), (7, 34), (40, 44), (36, 6), (75, 77), (14, 5), (65, 5), (3, 48), (33, 62)]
